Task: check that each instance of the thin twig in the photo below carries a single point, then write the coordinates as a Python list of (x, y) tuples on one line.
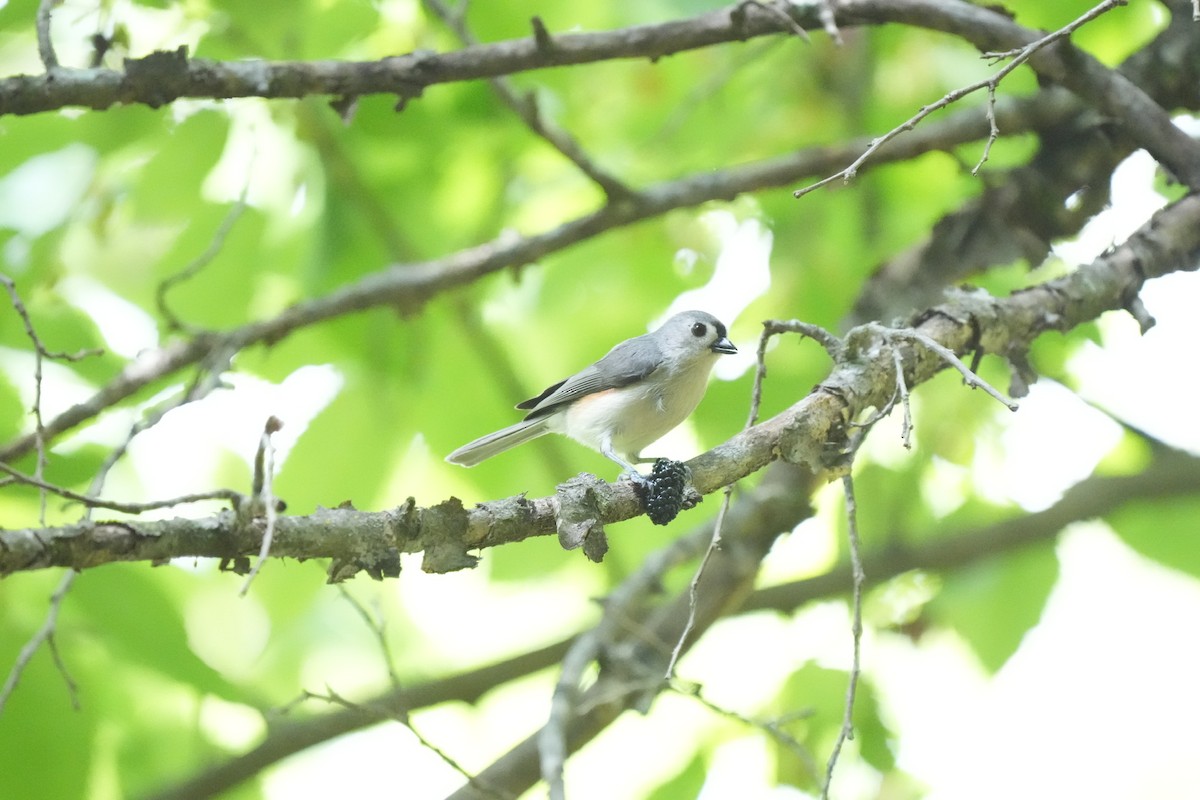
[(40, 354), (900, 393), (859, 579), (969, 377), (906, 426), (334, 698), (781, 15), (1019, 57), (760, 374), (772, 727), (57, 355), (378, 628), (112, 505), (527, 107), (43, 635), (263, 496), (215, 245), (45, 45), (773, 327), (714, 543)]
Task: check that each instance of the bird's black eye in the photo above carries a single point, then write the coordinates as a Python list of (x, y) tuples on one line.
[(699, 329)]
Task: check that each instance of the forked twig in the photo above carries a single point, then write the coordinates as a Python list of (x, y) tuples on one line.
[(1019, 56)]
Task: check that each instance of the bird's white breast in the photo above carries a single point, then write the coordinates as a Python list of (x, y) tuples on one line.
[(637, 415)]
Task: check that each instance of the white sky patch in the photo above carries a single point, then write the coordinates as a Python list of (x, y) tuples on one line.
[(1106, 677), (41, 194), (262, 155), (126, 328), (1054, 441), (742, 275), (1131, 372), (1135, 376), (61, 386), (183, 451), (1134, 199)]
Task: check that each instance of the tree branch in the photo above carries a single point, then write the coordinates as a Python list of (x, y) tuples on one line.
[(802, 434), (410, 286), (1108, 91), (1170, 475), (163, 77)]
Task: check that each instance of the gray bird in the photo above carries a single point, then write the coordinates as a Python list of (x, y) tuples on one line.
[(639, 391)]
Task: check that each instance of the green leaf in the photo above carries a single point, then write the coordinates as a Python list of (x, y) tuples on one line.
[(814, 698), (993, 604), (686, 783), (128, 610), (1164, 530)]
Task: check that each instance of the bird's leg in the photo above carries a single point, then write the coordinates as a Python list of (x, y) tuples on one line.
[(629, 471)]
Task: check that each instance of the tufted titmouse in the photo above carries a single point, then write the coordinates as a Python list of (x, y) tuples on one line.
[(641, 389)]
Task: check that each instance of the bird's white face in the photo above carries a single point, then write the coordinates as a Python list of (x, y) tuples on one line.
[(693, 335)]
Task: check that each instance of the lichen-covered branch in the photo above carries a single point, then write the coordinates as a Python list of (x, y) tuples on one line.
[(805, 433)]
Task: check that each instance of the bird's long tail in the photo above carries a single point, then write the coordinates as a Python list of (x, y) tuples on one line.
[(472, 453)]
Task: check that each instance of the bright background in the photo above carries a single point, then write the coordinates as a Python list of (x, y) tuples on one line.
[(1066, 669)]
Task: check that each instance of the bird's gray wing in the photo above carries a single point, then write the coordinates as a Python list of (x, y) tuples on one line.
[(629, 361)]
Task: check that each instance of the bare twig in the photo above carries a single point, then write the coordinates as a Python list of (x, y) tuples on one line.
[(969, 377), (44, 635), (527, 107), (45, 45), (772, 727), (333, 698), (906, 425), (774, 327), (125, 508), (1019, 56), (40, 353), (714, 543), (378, 628), (859, 580), (200, 262), (56, 355), (263, 496)]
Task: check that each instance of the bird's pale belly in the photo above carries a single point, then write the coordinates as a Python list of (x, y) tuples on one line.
[(633, 417)]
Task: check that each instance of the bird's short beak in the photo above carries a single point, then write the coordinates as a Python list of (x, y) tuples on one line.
[(723, 345)]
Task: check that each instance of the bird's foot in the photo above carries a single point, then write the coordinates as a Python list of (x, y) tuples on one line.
[(631, 475)]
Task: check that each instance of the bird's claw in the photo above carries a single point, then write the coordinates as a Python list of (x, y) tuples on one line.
[(633, 476)]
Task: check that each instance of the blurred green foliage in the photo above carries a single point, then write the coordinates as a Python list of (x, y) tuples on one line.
[(331, 201)]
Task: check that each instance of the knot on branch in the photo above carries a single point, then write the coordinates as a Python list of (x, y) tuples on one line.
[(443, 532), (579, 514), (371, 548), (159, 78), (541, 36)]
